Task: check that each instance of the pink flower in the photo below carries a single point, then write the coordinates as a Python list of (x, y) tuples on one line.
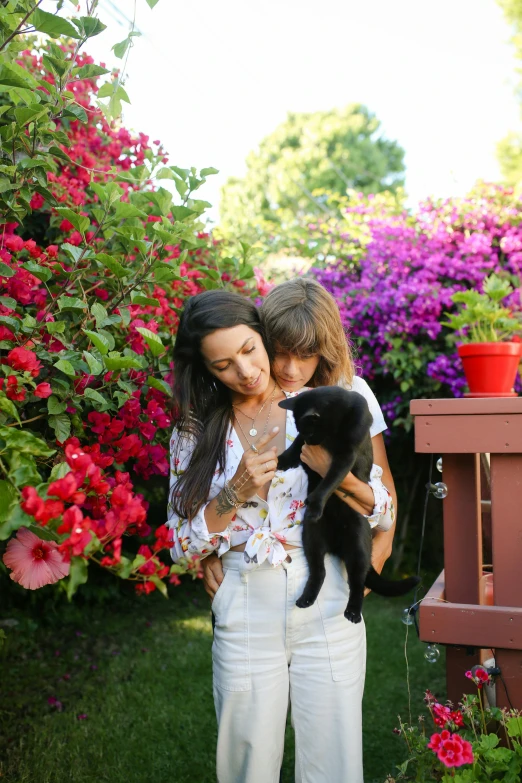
[(451, 749), (43, 390), (33, 562)]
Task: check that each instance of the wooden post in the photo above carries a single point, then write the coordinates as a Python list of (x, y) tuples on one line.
[(506, 512)]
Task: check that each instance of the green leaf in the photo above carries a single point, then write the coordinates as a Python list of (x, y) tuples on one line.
[(140, 299), (208, 171), (75, 110), (95, 367), (77, 575), (119, 49), (61, 425), (152, 3), (125, 210), (8, 495), (26, 114), (16, 519), (8, 406), (80, 222), (98, 340), (160, 584), (100, 313), (73, 251), (514, 727), (9, 302), (6, 271), (106, 90), (52, 25), (96, 397), (41, 272), (66, 367), (25, 442), (180, 213), (10, 77), (160, 385), (115, 267), (55, 327), (153, 340), (91, 26), (90, 71), (71, 303), (59, 471), (115, 361), (55, 406), (22, 470)]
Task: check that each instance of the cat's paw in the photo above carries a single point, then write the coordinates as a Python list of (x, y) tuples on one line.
[(305, 601), (353, 615)]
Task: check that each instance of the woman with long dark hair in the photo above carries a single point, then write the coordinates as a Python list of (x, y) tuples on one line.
[(227, 497)]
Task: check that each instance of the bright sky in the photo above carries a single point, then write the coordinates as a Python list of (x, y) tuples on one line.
[(211, 79)]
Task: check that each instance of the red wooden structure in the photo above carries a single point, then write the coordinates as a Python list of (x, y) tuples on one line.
[(480, 441)]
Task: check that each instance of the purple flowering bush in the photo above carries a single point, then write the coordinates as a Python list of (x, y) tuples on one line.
[(395, 277)]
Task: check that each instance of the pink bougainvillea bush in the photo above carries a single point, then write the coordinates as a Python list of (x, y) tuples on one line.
[(393, 273), (95, 263)]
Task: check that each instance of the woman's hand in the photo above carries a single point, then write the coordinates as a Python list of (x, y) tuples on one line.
[(212, 574), (257, 467), (317, 459)]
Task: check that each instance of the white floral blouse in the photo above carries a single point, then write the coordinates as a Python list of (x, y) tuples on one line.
[(264, 525)]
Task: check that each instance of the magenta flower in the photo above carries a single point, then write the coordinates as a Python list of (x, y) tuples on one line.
[(33, 562)]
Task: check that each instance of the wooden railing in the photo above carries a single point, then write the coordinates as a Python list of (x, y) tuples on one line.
[(483, 509)]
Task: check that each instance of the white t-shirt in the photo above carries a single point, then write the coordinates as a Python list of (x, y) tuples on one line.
[(359, 385)]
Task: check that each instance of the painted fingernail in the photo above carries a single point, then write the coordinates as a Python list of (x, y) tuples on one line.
[(276, 429)]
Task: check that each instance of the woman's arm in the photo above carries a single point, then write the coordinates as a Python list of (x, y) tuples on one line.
[(354, 492), (383, 539)]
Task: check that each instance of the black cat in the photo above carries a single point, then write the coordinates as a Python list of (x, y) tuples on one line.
[(340, 421)]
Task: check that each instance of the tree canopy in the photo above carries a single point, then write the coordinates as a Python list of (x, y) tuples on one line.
[(307, 156)]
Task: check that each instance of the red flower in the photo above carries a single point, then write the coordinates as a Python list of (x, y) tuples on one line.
[(24, 361), (457, 718), (43, 390), (14, 243), (164, 537), (5, 333), (65, 489), (42, 510), (441, 714), (12, 391)]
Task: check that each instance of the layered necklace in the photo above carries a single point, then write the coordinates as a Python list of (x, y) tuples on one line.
[(253, 431)]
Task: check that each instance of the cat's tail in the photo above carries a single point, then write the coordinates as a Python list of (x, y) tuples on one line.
[(388, 587)]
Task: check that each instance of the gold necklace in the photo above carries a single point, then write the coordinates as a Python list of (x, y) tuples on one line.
[(257, 414), (253, 431)]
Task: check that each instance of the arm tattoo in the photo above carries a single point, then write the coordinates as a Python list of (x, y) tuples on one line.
[(223, 505), (345, 494)]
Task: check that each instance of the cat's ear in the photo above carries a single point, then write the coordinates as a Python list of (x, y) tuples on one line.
[(288, 403)]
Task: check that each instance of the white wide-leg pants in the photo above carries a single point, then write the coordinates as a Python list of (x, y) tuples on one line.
[(267, 651)]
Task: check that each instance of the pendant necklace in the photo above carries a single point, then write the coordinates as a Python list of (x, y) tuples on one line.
[(252, 431)]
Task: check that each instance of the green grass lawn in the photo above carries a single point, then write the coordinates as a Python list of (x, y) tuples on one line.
[(141, 674)]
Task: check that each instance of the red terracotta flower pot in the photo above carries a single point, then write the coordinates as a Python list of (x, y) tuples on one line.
[(490, 368)]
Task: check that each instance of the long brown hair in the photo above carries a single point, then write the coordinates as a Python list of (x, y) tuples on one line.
[(301, 317), (203, 404)]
